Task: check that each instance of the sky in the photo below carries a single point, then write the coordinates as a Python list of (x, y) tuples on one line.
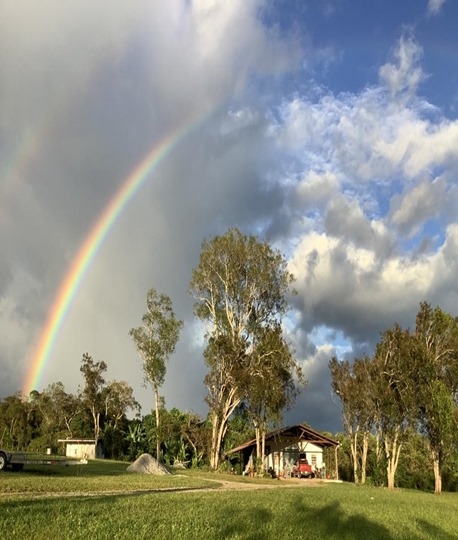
[(327, 128)]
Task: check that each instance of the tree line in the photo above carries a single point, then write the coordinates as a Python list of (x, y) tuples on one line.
[(409, 386), (406, 391), (240, 287)]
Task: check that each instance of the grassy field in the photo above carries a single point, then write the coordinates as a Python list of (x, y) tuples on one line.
[(101, 501)]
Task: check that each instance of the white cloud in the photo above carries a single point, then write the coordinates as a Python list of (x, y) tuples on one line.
[(419, 204), (434, 6), (405, 75)]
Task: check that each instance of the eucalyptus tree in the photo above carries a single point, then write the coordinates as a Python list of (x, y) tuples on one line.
[(351, 382), (155, 341), (91, 394), (436, 383), (118, 399), (240, 286), (58, 409), (272, 383), (393, 393)]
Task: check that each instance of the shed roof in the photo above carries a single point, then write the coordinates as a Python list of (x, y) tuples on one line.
[(291, 435), (77, 441)]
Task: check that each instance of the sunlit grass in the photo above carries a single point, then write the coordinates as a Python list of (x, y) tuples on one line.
[(95, 477), (340, 511)]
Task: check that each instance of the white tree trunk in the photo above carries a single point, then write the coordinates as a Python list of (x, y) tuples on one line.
[(364, 456), (437, 473), (158, 433), (392, 451), (354, 454)]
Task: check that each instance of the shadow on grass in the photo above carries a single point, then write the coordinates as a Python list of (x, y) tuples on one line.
[(221, 516), (331, 521), (434, 532), (328, 522)]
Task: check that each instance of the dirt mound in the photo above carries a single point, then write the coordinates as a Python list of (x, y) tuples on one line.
[(146, 464)]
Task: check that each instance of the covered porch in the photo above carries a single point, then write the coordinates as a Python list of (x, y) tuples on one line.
[(284, 446)]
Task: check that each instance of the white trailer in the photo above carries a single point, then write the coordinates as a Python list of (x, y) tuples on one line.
[(17, 460)]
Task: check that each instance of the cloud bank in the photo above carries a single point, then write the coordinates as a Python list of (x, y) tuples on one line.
[(357, 188)]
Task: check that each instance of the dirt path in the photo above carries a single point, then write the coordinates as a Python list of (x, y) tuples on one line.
[(220, 485)]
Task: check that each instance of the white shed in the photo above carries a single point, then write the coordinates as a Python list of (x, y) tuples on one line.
[(82, 448)]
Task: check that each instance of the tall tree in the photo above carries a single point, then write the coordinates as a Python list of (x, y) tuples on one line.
[(240, 286), (350, 382), (436, 383), (155, 341), (393, 393), (271, 385), (92, 392)]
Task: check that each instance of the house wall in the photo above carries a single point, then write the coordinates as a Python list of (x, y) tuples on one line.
[(282, 460)]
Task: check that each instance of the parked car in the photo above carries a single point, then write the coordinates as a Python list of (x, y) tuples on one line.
[(302, 468)]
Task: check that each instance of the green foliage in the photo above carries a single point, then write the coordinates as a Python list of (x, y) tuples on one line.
[(155, 341), (240, 286), (157, 337), (411, 383)]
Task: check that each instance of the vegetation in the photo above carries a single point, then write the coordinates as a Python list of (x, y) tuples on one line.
[(240, 286), (126, 506), (399, 406), (155, 340), (410, 386)]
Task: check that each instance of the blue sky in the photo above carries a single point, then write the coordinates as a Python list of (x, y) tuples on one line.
[(330, 128)]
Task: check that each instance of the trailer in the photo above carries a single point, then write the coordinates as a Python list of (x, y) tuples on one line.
[(17, 460)]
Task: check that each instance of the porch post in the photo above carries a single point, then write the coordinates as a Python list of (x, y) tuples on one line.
[(336, 462)]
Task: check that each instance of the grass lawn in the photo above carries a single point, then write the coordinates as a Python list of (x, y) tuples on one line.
[(327, 511)]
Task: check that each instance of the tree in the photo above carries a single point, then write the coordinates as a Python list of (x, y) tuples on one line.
[(271, 384), (16, 432), (155, 341), (240, 286), (118, 398), (92, 392), (351, 382), (393, 392), (58, 409), (436, 382)]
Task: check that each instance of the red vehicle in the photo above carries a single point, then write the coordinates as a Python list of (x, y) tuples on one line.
[(302, 468)]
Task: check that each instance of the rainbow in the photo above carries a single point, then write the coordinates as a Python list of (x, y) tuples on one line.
[(89, 248)]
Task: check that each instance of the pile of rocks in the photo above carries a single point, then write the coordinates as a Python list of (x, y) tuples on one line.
[(146, 464)]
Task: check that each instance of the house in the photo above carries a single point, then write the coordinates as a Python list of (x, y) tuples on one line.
[(283, 447), (82, 448)]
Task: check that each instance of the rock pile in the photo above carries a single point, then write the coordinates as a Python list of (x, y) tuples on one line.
[(146, 464)]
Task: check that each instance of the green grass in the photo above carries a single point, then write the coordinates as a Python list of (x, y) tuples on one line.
[(340, 511), (95, 477)]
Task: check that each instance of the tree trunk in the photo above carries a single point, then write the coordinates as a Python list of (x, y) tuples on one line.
[(214, 449), (158, 433), (96, 419), (263, 450), (257, 433), (336, 463), (354, 454), (219, 426), (437, 472), (392, 450), (364, 456)]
